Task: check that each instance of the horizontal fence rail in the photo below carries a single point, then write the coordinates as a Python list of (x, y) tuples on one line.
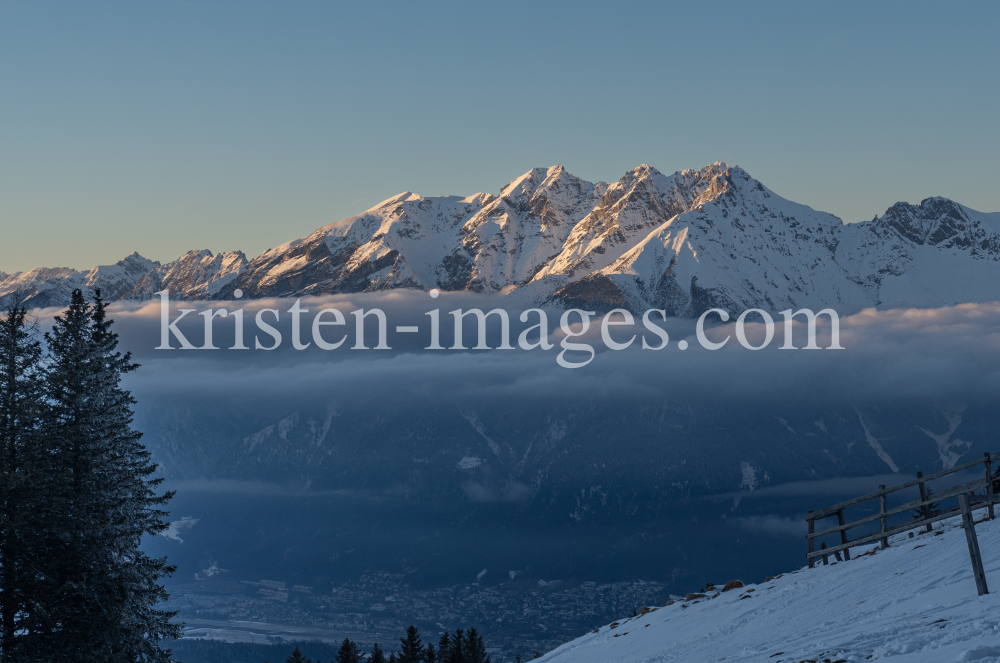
[(922, 505), (831, 510), (903, 508)]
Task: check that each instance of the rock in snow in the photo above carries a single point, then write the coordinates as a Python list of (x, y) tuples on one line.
[(685, 242), (914, 602)]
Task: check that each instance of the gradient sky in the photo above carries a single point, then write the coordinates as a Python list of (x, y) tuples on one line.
[(166, 126)]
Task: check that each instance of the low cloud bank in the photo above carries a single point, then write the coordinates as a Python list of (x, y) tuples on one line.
[(943, 356), (950, 353)]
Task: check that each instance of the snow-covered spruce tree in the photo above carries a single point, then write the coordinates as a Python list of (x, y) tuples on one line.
[(20, 412), (102, 589)]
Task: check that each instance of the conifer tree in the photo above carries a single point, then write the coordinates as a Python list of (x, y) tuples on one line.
[(456, 653), (444, 648), (100, 592), (377, 655), (348, 652), (21, 399), (412, 650), (430, 656), (475, 649), (297, 657), (392, 658)]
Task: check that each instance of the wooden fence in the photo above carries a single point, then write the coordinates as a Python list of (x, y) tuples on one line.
[(922, 506)]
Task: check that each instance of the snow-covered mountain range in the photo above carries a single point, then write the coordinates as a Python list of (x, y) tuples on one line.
[(683, 242), (195, 275), (45, 286)]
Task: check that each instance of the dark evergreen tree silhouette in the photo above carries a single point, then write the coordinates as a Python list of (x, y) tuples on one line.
[(934, 508), (21, 403), (377, 655), (348, 652), (456, 654), (412, 649), (97, 591), (297, 657), (444, 647), (928, 510), (475, 650), (430, 656)]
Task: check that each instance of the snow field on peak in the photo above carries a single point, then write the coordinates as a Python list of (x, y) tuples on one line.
[(914, 602)]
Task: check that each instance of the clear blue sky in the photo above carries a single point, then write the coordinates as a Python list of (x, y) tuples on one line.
[(165, 126)]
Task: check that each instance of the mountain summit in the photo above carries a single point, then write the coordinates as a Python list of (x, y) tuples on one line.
[(713, 237)]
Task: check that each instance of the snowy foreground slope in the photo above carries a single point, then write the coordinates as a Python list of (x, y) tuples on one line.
[(915, 602)]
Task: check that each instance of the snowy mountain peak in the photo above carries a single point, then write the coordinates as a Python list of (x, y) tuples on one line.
[(116, 280), (406, 196), (712, 237), (44, 286), (525, 185), (938, 222), (195, 275)]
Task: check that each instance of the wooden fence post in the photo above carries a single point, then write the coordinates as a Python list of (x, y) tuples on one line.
[(989, 486), (812, 541), (843, 534), (823, 547), (882, 510), (925, 509), (973, 541)]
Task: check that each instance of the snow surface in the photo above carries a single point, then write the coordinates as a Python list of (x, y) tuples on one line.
[(915, 602)]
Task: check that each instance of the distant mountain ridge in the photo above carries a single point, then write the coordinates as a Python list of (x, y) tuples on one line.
[(715, 237), (44, 286)]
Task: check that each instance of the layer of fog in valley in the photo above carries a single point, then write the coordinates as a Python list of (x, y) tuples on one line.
[(348, 492)]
